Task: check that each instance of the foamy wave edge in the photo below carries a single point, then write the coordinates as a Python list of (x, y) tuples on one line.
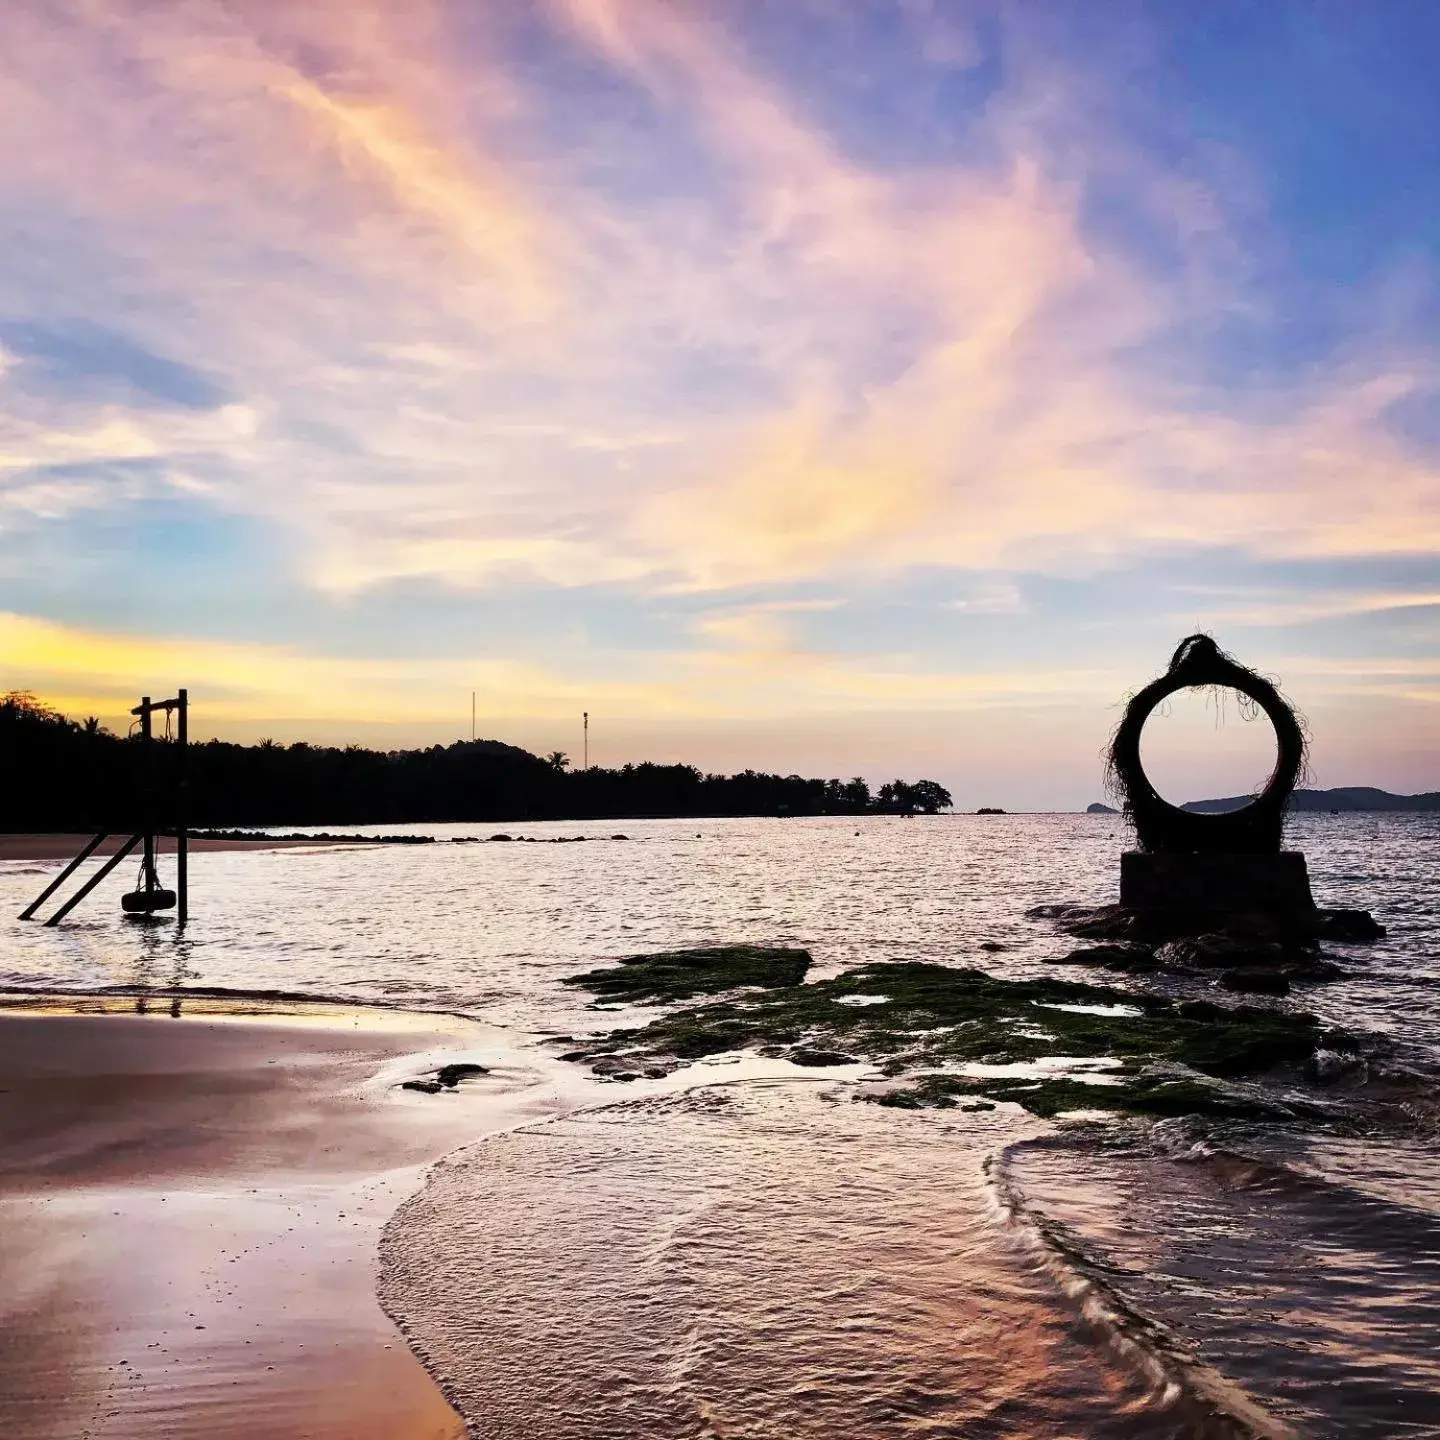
[(385, 1269), (1213, 1407)]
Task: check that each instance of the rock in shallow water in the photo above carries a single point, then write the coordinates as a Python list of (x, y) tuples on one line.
[(1121, 923), (684, 974), (1218, 951), (1349, 925), (807, 1055), (928, 1016), (447, 1077), (1256, 982), (1129, 959), (1136, 942)]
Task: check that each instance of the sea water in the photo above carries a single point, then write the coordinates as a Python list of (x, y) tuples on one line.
[(759, 1254)]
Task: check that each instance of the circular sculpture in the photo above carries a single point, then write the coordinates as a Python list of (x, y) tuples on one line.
[(1163, 828)]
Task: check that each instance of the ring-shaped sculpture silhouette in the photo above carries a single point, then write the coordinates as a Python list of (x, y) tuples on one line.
[(1163, 828)]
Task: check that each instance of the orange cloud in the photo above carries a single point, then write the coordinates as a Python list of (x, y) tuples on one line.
[(754, 672), (88, 668)]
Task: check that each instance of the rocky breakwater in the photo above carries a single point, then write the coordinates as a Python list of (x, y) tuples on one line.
[(1250, 952)]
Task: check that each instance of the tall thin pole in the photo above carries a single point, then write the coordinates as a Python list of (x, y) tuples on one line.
[(182, 817), (472, 717), (587, 739), (147, 801)]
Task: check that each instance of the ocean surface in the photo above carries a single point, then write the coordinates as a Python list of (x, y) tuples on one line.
[(746, 1250)]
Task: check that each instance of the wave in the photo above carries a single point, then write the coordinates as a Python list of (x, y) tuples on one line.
[(1212, 1407), (1286, 1279), (761, 1259)]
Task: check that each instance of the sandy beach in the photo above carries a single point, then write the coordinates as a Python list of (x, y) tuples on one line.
[(190, 1210)]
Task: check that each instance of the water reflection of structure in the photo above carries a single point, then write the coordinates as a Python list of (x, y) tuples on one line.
[(161, 972)]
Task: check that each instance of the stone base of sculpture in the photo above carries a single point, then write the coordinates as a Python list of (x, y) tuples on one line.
[(1218, 886)]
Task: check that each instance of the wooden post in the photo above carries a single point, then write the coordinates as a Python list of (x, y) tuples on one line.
[(147, 800), (182, 814), (28, 912), (94, 880)]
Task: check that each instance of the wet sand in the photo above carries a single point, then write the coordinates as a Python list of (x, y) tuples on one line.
[(190, 1211), (66, 847)]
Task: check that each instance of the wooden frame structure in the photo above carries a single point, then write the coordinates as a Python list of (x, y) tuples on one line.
[(151, 896)]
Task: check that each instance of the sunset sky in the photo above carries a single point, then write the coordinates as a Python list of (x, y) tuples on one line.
[(817, 385)]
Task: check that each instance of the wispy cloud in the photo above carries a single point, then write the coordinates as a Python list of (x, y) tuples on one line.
[(941, 365), (595, 293), (1279, 609)]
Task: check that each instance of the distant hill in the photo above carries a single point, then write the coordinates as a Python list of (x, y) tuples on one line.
[(1098, 809), (1349, 799)]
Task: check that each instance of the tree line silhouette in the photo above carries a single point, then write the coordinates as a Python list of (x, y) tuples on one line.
[(60, 774)]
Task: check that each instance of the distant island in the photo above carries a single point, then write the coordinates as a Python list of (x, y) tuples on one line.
[(1351, 799), (68, 775), (1346, 799)]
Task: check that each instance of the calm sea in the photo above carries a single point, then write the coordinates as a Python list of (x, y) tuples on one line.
[(756, 1255)]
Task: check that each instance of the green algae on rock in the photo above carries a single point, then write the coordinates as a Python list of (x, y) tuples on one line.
[(1162, 1091), (684, 974), (919, 1016)]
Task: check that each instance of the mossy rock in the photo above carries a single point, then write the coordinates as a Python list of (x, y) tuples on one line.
[(1164, 1095), (919, 1015), (1127, 958), (672, 975)]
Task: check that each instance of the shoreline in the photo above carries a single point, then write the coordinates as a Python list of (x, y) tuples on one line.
[(62, 845), (191, 1208)]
